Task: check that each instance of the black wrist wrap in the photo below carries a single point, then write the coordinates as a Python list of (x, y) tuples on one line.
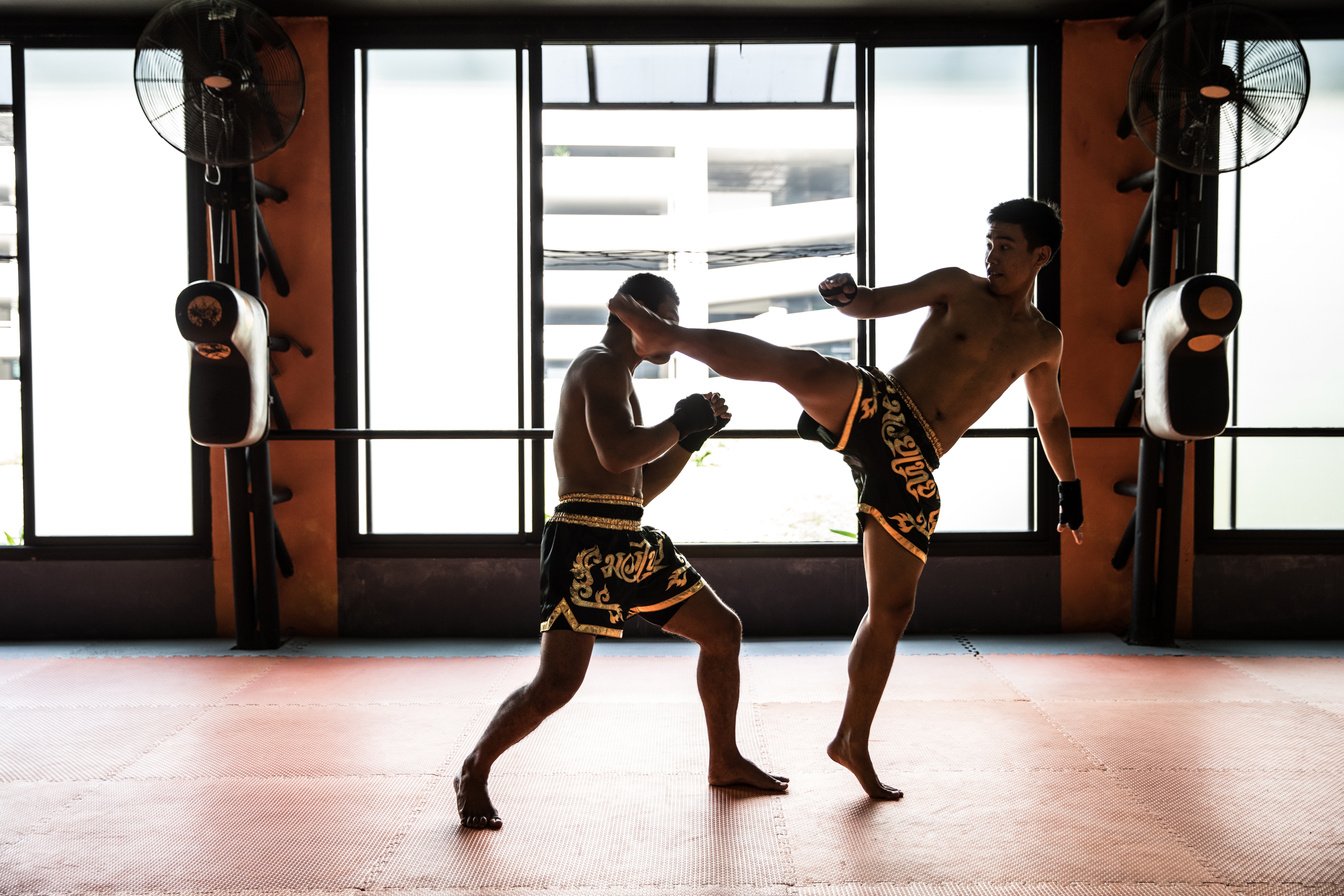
[(696, 440), (1071, 503), (692, 414)]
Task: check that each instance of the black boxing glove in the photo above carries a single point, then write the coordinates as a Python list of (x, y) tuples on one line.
[(1071, 503), (693, 442), (838, 296), (693, 414)]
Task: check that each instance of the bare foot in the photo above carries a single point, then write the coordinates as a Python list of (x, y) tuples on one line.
[(652, 336), (745, 773), (473, 804), (858, 762)]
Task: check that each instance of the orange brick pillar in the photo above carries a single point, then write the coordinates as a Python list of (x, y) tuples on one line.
[(300, 228), (1099, 222)]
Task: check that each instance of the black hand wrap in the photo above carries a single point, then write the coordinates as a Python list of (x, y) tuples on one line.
[(841, 295), (693, 414), (693, 442), (1071, 503)]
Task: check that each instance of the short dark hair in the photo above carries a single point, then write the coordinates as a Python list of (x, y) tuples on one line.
[(1039, 220), (648, 290)]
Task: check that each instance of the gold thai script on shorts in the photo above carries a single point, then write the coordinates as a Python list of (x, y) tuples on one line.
[(907, 460), (636, 566)]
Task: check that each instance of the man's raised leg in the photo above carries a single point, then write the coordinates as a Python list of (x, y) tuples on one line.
[(564, 662), (706, 620), (824, 386), (893, 575)]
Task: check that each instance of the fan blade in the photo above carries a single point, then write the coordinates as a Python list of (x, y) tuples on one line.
[(1289, 57)]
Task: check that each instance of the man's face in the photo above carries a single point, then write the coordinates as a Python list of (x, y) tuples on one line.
[(1010, 264)]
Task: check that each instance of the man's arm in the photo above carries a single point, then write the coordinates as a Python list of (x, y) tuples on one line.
[(659, 474), (621, 443), (933, 288), (1053, 426)]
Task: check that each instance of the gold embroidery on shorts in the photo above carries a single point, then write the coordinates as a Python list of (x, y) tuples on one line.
[(907, 460), (636, 566), (917, 522), (581, 588)]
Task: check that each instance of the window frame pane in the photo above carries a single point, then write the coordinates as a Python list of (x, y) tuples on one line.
[(1227, 466), (1030, 541), (191, 538)]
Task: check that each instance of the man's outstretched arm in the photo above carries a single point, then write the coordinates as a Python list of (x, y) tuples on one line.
[(934, 288)]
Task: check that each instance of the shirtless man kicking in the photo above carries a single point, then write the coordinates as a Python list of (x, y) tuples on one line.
[(981, 334), (599, 566)]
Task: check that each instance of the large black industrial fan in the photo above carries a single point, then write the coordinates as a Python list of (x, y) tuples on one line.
[(219, 80), (1218, 88)]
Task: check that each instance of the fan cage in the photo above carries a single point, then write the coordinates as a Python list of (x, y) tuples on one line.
[(219, 80), (1218, 89)]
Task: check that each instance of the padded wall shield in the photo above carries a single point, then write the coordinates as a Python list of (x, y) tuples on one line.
[(230, 364), (1185, 376)]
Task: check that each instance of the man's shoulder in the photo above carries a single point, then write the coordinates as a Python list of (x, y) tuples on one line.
[(958, 283), (956, 277), (596, 361)]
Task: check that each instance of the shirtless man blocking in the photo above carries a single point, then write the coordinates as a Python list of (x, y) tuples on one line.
[(981, 334), (599, 566)]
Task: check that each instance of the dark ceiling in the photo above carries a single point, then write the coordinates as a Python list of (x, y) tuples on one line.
[(987, 10)]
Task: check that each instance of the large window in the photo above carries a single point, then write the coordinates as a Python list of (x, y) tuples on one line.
[(732, 169), (1279, 238), (440, 304), (105, 258), (736, 181), (953, 139)]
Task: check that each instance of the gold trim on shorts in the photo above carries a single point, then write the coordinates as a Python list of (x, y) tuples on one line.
[(890, 530), (597, 522), (664, 604), (849, 418), (562, 608), (595, 498)]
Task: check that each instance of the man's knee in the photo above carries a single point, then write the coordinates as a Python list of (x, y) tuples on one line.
[(709, 622), (553, 688), (893, 610), (726, 634)]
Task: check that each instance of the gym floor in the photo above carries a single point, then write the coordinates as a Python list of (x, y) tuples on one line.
[(1070, 765)]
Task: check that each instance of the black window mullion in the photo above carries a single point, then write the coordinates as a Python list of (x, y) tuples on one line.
[(25, 291)]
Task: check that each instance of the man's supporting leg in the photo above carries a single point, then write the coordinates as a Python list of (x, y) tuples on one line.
[(710, 623), (823, 385), (564, 662), (893, 575)]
